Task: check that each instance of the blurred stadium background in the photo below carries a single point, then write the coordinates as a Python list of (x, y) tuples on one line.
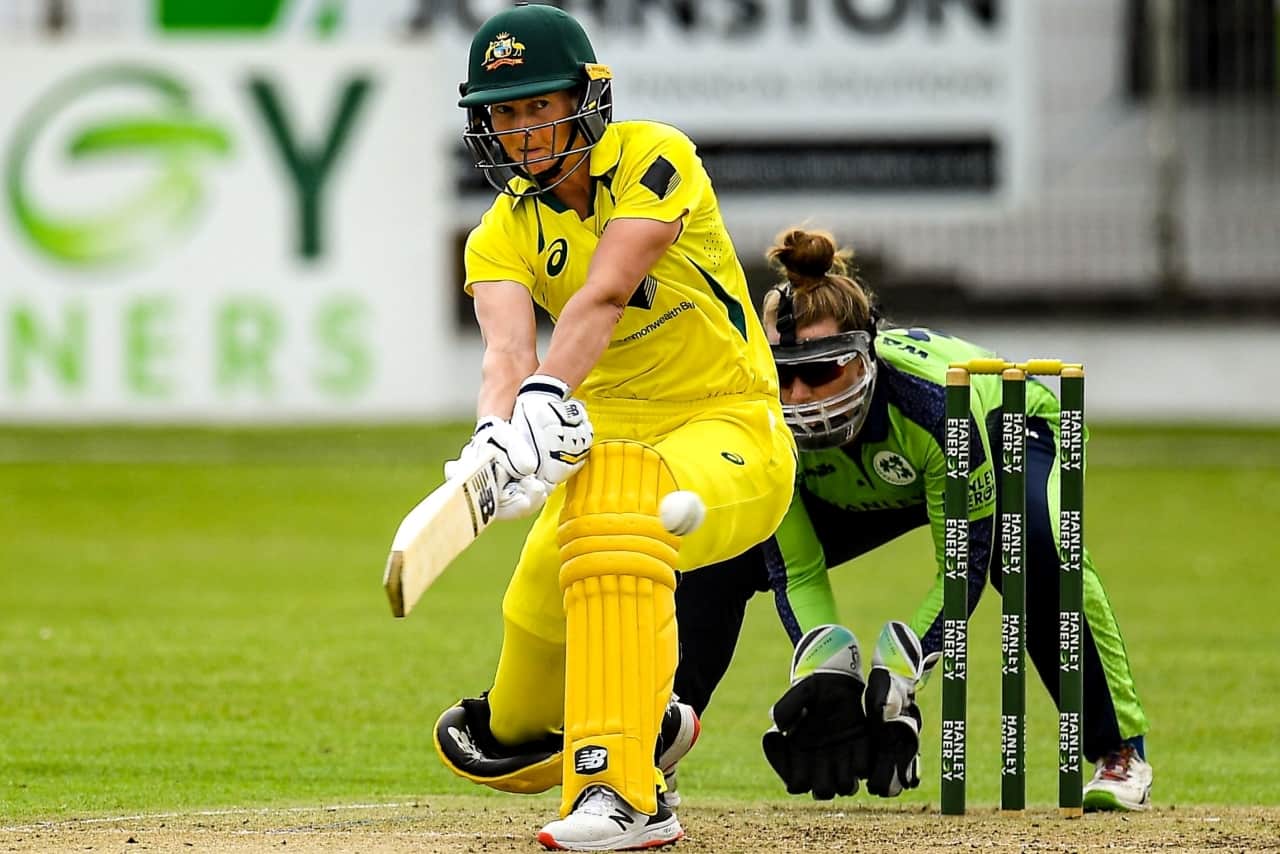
[(252, 210), (234, 351)]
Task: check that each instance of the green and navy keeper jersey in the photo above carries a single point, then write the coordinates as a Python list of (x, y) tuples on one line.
[(890, 479)]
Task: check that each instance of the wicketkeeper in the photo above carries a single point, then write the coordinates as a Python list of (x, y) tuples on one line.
[(657, 380), (867, 409)]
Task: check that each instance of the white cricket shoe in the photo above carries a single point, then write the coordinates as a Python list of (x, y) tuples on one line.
[(680, 729), (603, 821), (1122, 782)]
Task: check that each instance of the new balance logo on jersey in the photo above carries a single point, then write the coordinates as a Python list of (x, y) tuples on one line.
[(644, 293), (590, 759)]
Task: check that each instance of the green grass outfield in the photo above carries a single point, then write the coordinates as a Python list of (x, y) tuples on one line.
[(193, 619)]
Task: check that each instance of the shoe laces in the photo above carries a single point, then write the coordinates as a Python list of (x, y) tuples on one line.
[(598, 801), (1116, 765)]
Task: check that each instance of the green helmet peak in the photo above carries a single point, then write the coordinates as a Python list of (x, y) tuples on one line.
[(525, 51)]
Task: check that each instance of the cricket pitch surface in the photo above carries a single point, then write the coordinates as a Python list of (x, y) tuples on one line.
[(456, 824)]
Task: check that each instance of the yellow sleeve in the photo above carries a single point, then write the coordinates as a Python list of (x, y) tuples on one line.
[(492, 253), (661, 179)]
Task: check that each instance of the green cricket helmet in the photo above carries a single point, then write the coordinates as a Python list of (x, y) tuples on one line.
[(523, 52)]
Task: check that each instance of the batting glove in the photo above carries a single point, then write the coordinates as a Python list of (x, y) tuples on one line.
[(509, 448), (523, 497), (898, 668), (555, 425), (818, 741)]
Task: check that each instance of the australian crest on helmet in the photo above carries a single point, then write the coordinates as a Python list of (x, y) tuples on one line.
[(524, 52), (503, 50)]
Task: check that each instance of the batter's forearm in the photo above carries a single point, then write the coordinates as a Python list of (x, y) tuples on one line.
[(581, 335), (502, 373)]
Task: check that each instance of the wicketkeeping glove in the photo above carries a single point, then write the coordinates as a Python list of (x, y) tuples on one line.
[(898, 668), (515, 458), (818, 742), (554, 425)]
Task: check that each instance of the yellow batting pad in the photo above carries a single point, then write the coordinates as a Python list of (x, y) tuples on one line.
[(618, 577)]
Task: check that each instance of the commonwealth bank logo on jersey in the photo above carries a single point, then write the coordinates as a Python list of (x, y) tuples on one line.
[(503, 50), (893, 468), (124, 115)]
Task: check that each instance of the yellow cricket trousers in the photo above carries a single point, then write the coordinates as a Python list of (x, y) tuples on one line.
[(736, 453)]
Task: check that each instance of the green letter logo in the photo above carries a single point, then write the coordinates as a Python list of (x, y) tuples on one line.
[(170, 134), (310, 166)]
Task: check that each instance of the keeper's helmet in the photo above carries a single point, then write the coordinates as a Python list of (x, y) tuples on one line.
[(523, 52), (831, 421)]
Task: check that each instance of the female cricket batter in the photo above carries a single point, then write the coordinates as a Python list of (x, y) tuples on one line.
[(867, 408), (614, 229)]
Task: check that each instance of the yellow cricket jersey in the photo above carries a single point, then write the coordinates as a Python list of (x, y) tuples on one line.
[(689, 332)]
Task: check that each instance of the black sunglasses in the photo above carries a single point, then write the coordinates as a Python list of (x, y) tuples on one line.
[(813, 373)]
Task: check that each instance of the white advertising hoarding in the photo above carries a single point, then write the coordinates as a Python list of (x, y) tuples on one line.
[(264, 227), (799, 107), (802, 108), (223, 231)]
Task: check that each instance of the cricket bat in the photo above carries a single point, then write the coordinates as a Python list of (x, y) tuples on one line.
[(439, 529)]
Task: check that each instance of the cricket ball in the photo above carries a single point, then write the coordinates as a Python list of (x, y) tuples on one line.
[(682, 512)]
